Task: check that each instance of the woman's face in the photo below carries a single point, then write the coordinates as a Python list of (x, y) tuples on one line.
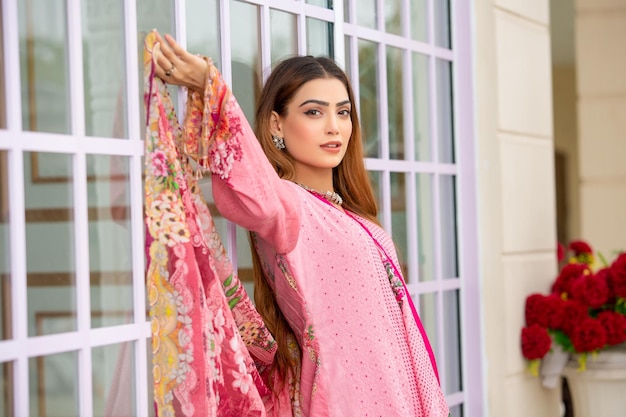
[(316, 127)]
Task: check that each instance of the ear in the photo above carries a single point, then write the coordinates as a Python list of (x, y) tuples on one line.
[(276, 126)]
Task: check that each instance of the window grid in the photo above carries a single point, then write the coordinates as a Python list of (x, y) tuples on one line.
[(21, 348)]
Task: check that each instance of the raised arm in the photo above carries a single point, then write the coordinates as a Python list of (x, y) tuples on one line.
[(217, 135)]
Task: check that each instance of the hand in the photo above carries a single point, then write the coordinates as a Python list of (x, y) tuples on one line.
[(176, 66)]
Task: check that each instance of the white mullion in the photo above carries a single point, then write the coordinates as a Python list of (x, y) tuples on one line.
[(266, 42), (17, 225), (54, 142), (385, 182), (383, 100), (19, 296), (81, 231), (405, 19), (9, 351), (339, 37), (132, 79), (139, 287), (225, 42), (380, 17), (301, 28), (110, 335)]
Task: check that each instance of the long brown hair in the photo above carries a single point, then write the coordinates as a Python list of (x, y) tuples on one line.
[(350, 177)]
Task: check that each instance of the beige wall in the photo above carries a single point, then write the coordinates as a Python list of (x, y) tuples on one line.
[(601, 84), (516, 191)]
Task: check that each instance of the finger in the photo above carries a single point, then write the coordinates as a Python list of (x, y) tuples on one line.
[(176, 49)]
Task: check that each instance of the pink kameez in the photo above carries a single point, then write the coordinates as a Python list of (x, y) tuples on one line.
[(364, 351)]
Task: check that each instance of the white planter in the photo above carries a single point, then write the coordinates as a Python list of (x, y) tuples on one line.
[(600, 391)]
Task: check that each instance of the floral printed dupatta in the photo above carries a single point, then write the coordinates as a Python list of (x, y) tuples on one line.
[(201, 366)]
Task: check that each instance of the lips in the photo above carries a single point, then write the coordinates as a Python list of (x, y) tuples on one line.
[(331, 145)]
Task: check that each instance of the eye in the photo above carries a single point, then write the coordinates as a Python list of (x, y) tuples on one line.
[(313, 112), (344, 112)]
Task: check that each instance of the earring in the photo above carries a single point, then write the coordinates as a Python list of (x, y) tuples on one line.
[(278, 142)]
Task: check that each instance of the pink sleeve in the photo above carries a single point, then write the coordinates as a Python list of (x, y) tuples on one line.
[(246, 189)]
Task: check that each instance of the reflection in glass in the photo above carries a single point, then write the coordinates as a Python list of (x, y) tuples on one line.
[(452, 347), (105, 69), (447, 210), (421, 107), (366, 13), (419, 20), (346, 10), (53, 385), (395, 100), (319, 37), (425, 227), (368, 91), (5, 251), (398, 218), (50, 246), (6, 387), (109, 240), (393, 13), (444, 111), (328, 4), (44, 69), (246, 55), (203, 28), (457, 411), (428, 315), (159, 15), (375, 180), (284, 35), (113, 374), (442, 23)]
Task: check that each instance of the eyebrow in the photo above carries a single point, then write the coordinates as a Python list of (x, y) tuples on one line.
[(324, 103)]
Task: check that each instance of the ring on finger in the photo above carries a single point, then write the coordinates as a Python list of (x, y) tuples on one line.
[(169, 71)]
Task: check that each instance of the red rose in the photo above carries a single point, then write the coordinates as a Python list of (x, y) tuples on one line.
[(560, 252), (569, 273), (546, 311), (588, 335), (591, 290), (580, 247), (573, 313), (535, 342), (615, 326), (617, 277)]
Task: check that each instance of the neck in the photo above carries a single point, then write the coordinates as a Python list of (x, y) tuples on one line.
[(321, 180)]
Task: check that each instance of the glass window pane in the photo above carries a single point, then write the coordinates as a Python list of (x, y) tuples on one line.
[(348, 55), (246, 56), (428, 315), (447, 209), (375, 180), (5, 251), (442, 23), (50, 260), (284, 35), (244, 260), (421, 107), (113, 380), (159, 15), (110, 251), (319, 37), (105, 69), (457, 411), (395, 101), (452, 346), (53, 382), (328, 4), (346, 10), (444, 111), (44, 69), (425, 227), (419, 20), (393, 20), (6, 387), (366, 13), (203, 28), (398, 218), (368, 101)]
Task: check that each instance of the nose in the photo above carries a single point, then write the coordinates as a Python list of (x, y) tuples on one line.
[(332, 127)]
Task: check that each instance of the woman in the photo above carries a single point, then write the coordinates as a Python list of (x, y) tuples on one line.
[(327, 282)]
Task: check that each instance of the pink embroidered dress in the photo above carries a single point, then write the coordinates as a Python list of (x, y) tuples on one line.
[(364, 351)]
